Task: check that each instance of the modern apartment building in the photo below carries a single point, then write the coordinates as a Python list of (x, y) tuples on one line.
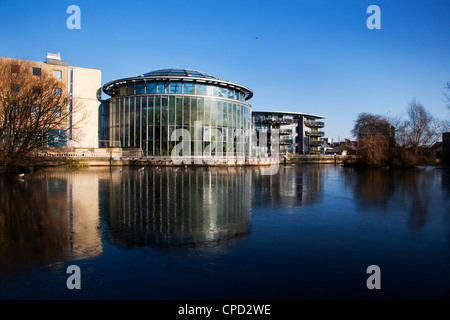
[(298, 132)]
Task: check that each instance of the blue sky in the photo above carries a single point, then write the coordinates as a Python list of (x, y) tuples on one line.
[(312, 56)]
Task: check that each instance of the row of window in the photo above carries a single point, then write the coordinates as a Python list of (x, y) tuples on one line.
[(36, 110), (273, 118), (183, 111), (35, 71), (181, 88), (36, 90)]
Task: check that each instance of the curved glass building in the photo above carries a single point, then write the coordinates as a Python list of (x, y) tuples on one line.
[(145, 110)]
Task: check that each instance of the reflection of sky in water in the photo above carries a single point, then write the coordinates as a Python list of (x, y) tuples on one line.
[(307, 232)]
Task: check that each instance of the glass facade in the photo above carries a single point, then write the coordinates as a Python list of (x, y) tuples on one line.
[(145, 115)]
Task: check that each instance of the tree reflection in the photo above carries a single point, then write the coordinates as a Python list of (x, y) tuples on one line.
[(48, 217), (410, 191), (33, 222), (373, 187)]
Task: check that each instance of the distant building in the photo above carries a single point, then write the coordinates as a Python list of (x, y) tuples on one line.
[(82, 85), (346, 147), (298, 132)]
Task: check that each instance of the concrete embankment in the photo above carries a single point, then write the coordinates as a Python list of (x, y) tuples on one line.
[(77, 157), (306, 159), (167, 161)]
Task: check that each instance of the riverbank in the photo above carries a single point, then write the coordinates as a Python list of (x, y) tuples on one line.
[(310, 159), (76, 158)]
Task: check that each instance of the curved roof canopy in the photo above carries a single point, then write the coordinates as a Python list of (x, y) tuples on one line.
[(174, 74)]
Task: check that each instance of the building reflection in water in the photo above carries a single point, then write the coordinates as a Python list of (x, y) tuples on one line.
[(62, 215), (181, 207), (48, 217), (293, 186)]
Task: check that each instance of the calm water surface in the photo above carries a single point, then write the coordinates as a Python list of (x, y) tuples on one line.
[(308, 232)]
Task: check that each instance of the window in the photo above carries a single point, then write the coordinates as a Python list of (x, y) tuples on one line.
[(36, 91), (175, 87), (15, 87), (57, 92), (188, 88), (151, 87), (140, 88), (15, 68), (57, 74), (212, 91), (56, 111), (166, 87), (56, 138), (15, 110), (130, 90), (223, 92), (200, 89), (36, 71), (35, 110)]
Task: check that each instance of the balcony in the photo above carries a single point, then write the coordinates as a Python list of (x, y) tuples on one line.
[(274, 120), (314, 124), (286, 132), (315, 143), (317, 134), (287, 140)]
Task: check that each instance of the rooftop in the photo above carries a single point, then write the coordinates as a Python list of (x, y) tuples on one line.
[(177, 73), (307, 115)]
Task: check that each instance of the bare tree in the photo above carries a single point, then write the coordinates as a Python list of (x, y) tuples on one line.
[(401, 134), (33, 113), (423, 130)]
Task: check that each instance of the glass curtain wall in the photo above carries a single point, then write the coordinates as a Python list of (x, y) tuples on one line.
[(147, 115)]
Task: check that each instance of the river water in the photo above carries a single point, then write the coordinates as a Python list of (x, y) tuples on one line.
[(307, 232)]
